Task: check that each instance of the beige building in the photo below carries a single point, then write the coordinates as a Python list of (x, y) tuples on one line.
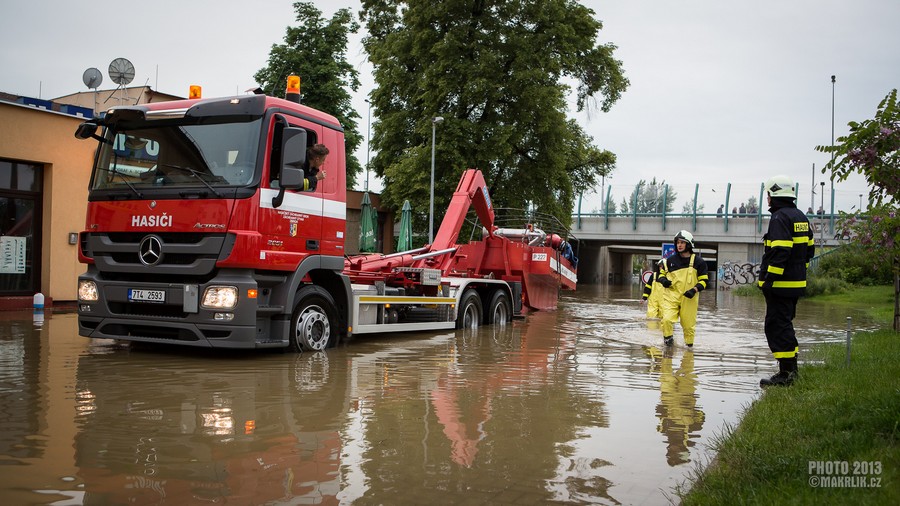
[(44, 175), (105, 99), (44, 171)]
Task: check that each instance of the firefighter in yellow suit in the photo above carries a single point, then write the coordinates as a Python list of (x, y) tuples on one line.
[(683, 275), (652, 293)]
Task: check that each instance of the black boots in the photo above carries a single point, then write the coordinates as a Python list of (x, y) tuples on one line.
[(670, 341), (787, 373)]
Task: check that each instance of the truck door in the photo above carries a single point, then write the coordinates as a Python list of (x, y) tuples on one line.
[(295, 226)]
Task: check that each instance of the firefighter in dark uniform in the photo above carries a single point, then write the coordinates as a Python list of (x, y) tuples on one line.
[(789, 246)]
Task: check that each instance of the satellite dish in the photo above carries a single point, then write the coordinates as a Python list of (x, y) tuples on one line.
[(92, 78), (121, 71)]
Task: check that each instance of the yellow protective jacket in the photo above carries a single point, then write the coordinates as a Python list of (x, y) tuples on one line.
[(653, 293), (684, 273)]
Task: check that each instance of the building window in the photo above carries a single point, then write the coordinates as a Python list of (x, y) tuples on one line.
[(20, 227)]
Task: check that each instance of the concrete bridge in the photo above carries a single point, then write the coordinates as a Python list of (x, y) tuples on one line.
[(732, 246)]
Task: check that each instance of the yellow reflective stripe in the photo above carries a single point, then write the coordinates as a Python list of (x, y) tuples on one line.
[(705, 276), (648, 286), (811, 242), (782, 244), (786, 354), (775, 270), (801, 240), (305, 184), (789, 284)]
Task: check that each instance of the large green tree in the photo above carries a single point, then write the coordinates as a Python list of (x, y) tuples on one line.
[(872, 148), (316, 50), (651, 198), (499, 72)]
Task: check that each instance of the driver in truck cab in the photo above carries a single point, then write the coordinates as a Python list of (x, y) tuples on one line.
[(313, 173)]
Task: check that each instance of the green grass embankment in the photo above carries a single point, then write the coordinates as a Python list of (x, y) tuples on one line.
[(833, 413)]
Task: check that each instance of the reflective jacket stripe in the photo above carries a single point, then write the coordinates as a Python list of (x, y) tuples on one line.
[(789, 284), (786, 354)]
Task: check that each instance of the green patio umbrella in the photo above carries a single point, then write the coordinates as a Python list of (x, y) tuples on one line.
[(404, 242), (367, 225)]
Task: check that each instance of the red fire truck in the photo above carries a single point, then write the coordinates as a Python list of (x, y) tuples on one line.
[(199, 233)]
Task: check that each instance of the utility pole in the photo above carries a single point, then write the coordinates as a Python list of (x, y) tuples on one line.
[(434, 121)]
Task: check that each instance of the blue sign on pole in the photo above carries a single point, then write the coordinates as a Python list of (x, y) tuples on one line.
[(668, 249)]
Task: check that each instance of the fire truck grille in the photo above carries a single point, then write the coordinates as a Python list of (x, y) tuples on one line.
[(154, 310), (179, 254), (137, 330)]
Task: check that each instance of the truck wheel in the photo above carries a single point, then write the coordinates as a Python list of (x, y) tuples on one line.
[(499, 311), (314, 320), (469, 314)]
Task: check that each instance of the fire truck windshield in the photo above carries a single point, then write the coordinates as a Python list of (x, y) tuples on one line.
[(177, 154)]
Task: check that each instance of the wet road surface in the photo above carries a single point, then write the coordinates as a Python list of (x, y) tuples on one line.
[(579, 405)]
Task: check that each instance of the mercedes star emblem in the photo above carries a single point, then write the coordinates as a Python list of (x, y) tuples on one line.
[(150, 250)]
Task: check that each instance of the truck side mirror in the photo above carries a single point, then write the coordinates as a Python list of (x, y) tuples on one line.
[(86, 130), (293, 156)]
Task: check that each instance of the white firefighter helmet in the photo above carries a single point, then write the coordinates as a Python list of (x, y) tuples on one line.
[(687, 237), (780, 186)]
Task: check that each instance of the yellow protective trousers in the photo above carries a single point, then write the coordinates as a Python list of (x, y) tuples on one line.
[(674, 305), (653, 309)]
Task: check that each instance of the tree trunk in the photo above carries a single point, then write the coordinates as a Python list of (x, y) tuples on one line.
[(896, 295), (896, 303)]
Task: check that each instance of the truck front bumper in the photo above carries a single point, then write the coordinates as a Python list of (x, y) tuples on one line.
[(178, 319)]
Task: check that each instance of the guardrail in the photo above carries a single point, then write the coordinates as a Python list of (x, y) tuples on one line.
[(660, 204)]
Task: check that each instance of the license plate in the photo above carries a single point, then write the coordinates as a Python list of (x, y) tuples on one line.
[(146, 295)]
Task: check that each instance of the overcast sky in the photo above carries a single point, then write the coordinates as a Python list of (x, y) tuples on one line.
[(721, 91)]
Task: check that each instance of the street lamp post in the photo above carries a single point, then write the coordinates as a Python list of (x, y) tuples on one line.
[(434, 121), (822, 207), (860, 202), (832, 141), (368, 143), (812, 188)]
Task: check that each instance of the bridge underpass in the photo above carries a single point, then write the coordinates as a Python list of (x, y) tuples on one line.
[(608, 243)]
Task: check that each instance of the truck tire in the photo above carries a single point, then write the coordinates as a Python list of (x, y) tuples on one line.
[(499, 311), (314, 320), (470, 310)]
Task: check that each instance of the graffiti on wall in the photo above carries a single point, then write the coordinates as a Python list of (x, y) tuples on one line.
[(734, 274)]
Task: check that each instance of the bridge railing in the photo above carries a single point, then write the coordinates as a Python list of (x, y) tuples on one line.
[(649, 201)]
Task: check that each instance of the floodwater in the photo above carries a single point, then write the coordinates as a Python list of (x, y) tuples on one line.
[(578, 405)]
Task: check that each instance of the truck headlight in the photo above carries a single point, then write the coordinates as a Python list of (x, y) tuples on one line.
[(219, 297), (87, 291)]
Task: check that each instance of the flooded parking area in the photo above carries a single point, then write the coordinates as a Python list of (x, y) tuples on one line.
[(579, 405)]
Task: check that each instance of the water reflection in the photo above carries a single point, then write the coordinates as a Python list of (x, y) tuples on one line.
[(482, 419), (155, 427), (680, 420), (577, 405)]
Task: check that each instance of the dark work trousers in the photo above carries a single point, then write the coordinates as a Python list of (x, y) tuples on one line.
[(779, 326)]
